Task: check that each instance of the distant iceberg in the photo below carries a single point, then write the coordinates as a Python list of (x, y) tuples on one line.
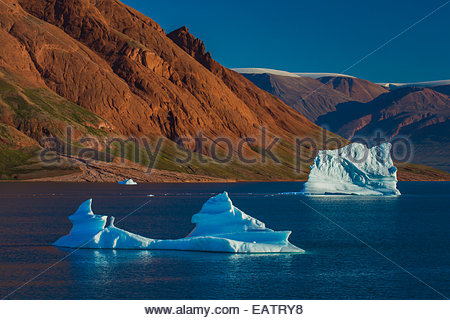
[(127, 182), (220, 227), (353, 169)]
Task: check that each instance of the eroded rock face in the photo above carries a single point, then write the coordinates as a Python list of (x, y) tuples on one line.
[(243, 88), (314, 97), (421, 115), (394, 112), (308, 96), (120, 64), (194, 47), (355, 89)]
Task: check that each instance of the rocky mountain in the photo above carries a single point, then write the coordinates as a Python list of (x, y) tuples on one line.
[(106, 69), (445, 89), (113, 61), (353, 107), (313, 97), (308, 96), (356, 89), (424, 84), (421, 115)]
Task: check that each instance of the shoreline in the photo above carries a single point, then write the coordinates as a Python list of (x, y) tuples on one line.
[(181, 182), (100, 172), (150, 182)]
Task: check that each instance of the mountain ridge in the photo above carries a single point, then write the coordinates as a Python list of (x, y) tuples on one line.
[(119, 65), (313, 97), (421, 115), (353, 107), (107, 70)]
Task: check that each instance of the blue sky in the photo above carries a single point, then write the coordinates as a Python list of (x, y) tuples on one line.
[(317, 36)]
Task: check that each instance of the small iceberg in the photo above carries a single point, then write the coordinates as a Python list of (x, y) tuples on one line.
[(128, 182), (220, 227), (355, 170)]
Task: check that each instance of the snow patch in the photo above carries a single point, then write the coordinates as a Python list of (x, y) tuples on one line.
[(314, 75), (321, 75), (265, 70), (424, 84)]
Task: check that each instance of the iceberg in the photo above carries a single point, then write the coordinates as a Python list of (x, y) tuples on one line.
[(127, 182), (220, 227), (353, 169)]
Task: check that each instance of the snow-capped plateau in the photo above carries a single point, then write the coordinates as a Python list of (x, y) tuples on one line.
[(265, 70), (355, 170), (317, 75), (322, 75), (220, 227), (314, 75), (436, 83)]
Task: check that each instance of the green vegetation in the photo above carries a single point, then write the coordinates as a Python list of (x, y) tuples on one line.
[(38, 112), (419, 172), (32, 104), (64, 111), (11, 159), (234, 169)]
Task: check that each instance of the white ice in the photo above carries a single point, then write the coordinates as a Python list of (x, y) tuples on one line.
[(424, 84), (127, 182), (265, 70), (353, 169), (220, 227), (314, 75)]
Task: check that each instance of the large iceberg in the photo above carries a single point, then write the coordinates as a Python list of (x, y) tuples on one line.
[(220, 227), (353, 169)]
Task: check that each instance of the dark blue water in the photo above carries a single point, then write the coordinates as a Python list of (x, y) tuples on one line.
[(411, 230)]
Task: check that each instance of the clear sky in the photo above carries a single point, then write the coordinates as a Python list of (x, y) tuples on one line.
[(317, 36)]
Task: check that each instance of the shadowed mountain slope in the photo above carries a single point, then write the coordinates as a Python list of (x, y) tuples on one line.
[(314, 97), (107, 70), (120, 69), (421, 115)]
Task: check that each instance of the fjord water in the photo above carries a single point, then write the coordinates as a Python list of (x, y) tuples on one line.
[(406, 238)]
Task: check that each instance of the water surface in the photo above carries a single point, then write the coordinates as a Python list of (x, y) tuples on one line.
[(411, 230)]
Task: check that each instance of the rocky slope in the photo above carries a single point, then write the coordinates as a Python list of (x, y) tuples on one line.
[(354, 107), (356, 89), (109, 70), (315, 97), (421, 115), (442, 89), (308, 96), (152, 85), (106, 70)]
